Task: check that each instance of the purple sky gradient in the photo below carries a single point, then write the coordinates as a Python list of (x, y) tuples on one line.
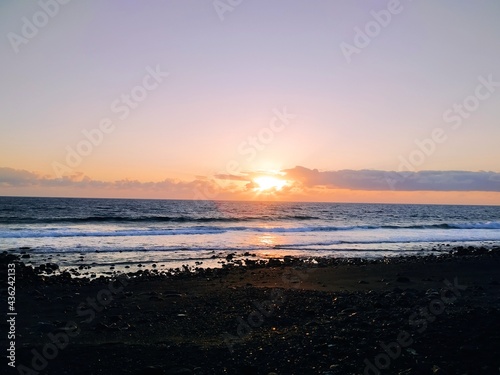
[(226, 77)]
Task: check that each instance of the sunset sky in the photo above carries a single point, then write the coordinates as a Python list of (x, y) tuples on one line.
[(349, 101)]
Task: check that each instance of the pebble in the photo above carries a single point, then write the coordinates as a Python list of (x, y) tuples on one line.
[(403, 279)]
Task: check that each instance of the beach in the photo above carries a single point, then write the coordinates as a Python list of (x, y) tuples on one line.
[(435, 314), (258, 187), (94, 237)]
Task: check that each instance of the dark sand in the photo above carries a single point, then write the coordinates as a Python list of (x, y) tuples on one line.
[(283, 317)]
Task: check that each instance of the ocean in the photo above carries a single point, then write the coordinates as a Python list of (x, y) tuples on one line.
[(123, 233)]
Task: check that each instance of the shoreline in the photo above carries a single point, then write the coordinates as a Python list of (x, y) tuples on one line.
[(96, 263), (290, 316)]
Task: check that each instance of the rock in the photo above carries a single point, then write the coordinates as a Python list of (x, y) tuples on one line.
[(178, 371), (348, 311), (152, 370), (469, 349), (172, 295), (101, 327), (412, 351), (115, 318), (248, 370), (156, 298), (432, 293), (437, 370), (403, 279), (274, 262)]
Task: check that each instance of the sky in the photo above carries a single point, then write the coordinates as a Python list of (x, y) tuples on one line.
[(344, 101)]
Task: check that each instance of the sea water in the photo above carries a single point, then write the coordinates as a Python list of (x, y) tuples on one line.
[(114, 232)]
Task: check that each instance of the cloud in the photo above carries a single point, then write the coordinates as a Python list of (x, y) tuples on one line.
[(300, 178), (16, 177), (400, 181), (232, 177), (11, 178)]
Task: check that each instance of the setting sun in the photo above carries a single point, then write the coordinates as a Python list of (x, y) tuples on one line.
[(269, 183)]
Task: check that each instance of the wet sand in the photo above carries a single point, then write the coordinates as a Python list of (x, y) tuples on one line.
[(412, 315)]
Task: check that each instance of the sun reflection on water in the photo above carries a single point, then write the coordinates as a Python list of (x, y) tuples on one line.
[(267, 239)]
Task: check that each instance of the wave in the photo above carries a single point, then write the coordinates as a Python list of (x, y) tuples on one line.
[(207, 230), (116, 233), (321, 245), (148, 219), (486, 225)]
